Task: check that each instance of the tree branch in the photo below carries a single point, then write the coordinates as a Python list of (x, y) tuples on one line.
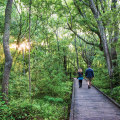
[(84, 2), (16, 7), (69, 11), (102, 6), (79, 10), (81, 37)]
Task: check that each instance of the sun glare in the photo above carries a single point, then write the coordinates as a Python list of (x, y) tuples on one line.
[(22, 46), (71, 46), (13, 46)]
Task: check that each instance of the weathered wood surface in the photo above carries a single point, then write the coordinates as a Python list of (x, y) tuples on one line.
[(90, 104)]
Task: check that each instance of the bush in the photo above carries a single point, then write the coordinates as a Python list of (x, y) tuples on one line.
[(116, 94), (36, 109), (4, 110)]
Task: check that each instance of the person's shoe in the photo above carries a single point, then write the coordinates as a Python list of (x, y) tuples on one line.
[(89, 86)]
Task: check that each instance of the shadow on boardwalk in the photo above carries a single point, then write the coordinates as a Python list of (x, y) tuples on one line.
[(90, 104)]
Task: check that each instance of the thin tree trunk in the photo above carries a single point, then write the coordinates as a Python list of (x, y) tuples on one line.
[(58, 46), (68, 64), (65, 63), (65, 60), (57, 40), (23, 52), (76, 53), (29, 45), (8, 57)]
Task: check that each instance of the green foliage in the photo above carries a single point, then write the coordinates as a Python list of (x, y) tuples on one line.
[(20, 85), (36, 109), (106, 91), (52, 99), (4, 110), (116, 94)]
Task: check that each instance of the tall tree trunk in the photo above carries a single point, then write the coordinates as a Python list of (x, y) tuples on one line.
[(103, 36), (8, 57), (76, 53), (29, 45), (116, 35), (114, 42)]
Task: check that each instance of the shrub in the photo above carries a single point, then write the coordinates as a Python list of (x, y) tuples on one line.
[(116, 94)]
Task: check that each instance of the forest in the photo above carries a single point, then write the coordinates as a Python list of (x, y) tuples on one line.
[(42, 45)]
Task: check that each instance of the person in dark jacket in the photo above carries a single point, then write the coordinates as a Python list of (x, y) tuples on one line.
[(89, 74), (80, 77)]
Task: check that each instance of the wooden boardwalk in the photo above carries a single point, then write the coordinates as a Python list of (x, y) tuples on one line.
[(90, 104)]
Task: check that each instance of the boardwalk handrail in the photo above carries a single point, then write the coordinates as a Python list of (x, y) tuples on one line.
[(113, 101), (71, 117)]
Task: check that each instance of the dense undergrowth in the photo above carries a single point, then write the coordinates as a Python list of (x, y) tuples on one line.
[(34, 109), (45, 103)]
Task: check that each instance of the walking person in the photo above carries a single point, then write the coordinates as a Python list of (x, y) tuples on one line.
[(80, 77), (89, 74)]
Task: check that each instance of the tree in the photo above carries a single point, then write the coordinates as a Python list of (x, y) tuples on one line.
[(8, 57), (101, 28), (29, 44)]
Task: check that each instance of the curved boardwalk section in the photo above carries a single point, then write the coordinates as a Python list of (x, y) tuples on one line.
[(90, 104)]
